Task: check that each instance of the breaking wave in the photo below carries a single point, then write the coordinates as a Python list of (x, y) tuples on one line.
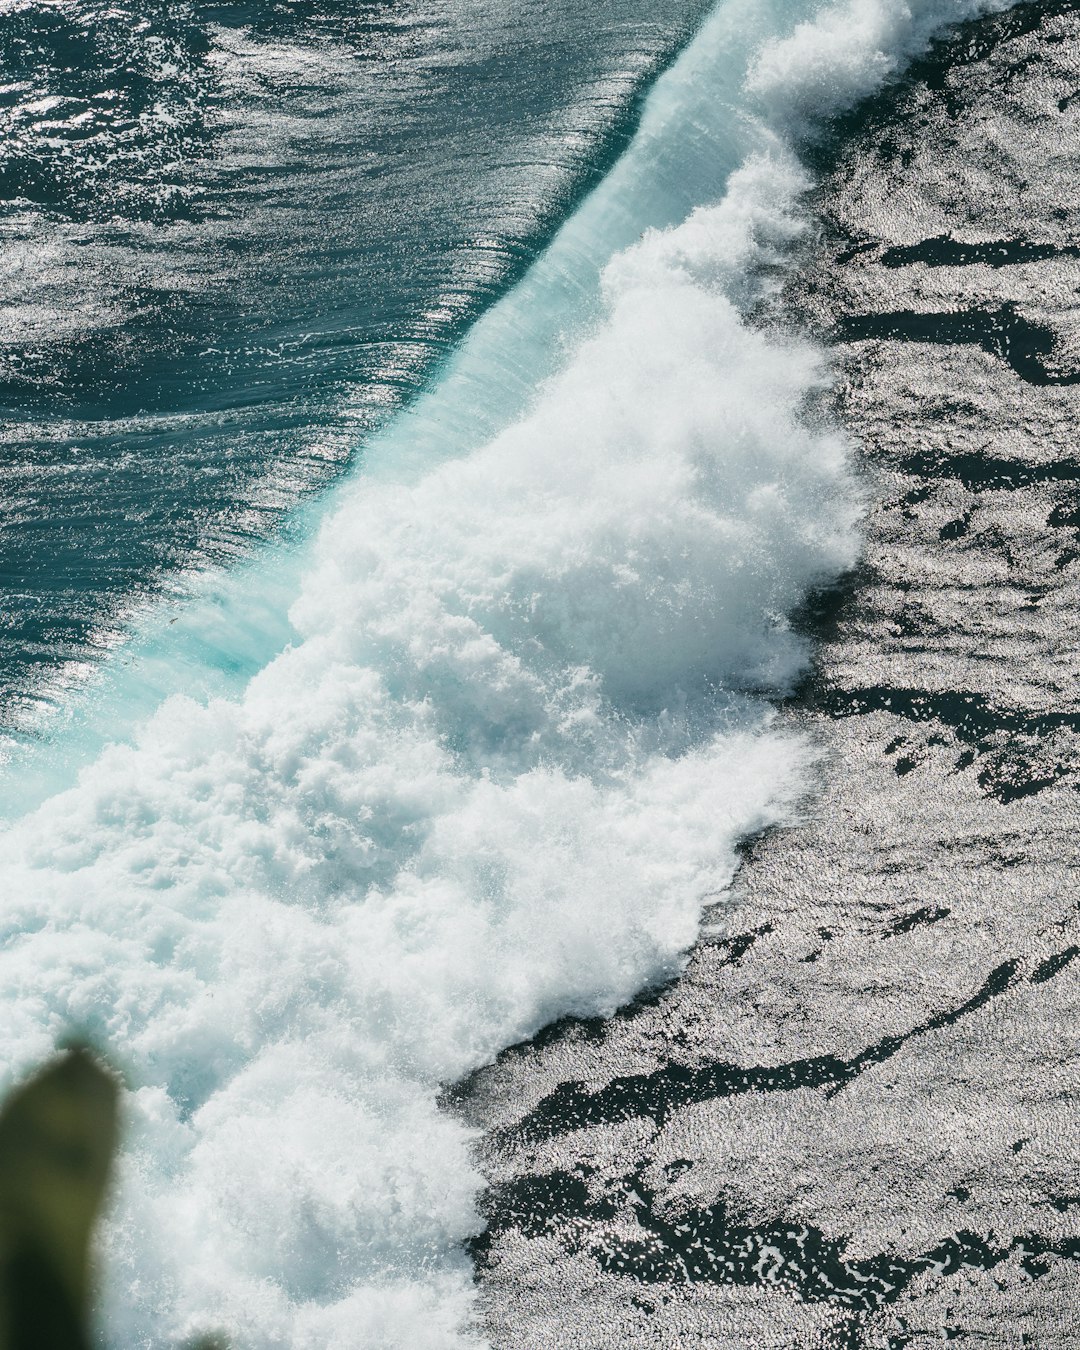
[(518, 727)]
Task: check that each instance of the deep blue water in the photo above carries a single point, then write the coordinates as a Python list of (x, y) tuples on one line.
[(234, 239)]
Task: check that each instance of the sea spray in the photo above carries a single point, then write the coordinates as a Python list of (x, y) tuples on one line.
[(520, 730)]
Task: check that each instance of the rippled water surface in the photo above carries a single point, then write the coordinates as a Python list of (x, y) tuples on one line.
[(372, 782), (233, 238)]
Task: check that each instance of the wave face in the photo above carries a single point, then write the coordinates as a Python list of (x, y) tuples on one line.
[(507, 756), (235, 236)]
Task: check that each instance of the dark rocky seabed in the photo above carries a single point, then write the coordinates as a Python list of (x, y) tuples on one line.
[(853, 1121)]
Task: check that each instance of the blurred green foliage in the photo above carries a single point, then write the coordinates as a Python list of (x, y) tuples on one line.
[(58, 1135)]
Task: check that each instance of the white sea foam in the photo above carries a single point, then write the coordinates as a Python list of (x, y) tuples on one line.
[(846, 52), (509, 754)]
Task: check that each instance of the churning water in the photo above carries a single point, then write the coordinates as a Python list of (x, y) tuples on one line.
[(472, 747)]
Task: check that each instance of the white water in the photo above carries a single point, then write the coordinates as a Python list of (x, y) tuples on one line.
[(519, 731)]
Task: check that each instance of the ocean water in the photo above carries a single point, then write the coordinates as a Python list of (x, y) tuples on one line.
[(472, 745), (233, 239)]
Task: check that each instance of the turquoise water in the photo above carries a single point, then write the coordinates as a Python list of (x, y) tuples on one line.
[(466, 742), (233, 239)]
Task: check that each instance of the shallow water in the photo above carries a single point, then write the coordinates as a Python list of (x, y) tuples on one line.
[(851, 1122)]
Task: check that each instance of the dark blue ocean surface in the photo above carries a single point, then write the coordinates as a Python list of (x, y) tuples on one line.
[(233, 238)]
